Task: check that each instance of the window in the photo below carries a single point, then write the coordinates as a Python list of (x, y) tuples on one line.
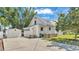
[(35, 23), (49, 28), (41, 28)]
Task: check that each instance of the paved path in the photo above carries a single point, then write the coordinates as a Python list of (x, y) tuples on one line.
[(26, 44), (65, 46)]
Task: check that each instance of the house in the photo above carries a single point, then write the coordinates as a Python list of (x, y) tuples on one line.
[(13, 33), (39, 27)]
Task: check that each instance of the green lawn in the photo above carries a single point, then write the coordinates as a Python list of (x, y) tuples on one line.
[(66, 39)]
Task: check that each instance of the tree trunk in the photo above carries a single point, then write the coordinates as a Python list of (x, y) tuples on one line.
[(75, 35), (22, 33), (4, 33)]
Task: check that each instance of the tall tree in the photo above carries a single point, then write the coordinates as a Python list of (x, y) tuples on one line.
[(28, 15), (61, 23), (4, 22), (12, 15), (18, 17), (73, 19), (69, 21)]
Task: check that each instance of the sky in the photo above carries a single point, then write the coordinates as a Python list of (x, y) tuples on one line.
[(51, 13)]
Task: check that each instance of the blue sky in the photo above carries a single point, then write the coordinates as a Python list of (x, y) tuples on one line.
[(50, 13)]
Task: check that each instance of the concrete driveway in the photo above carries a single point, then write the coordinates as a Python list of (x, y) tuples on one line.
[(26, 44)]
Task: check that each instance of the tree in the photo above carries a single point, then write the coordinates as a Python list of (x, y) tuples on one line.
[(16, 17), (69, 21), (28, 15), (61, 23), (26, 18), (73, 19), (12, 15), (4, 23)]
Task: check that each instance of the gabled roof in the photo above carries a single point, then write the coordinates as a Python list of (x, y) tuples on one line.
[(44, 21), (41, 21)]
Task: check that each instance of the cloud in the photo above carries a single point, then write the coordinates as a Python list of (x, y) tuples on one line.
[(46, 17), (44, 11)]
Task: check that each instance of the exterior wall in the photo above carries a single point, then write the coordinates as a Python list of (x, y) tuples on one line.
[(35, 31), (11, 33), (27, 32), (32, 22), (35, 28), (46, 30)]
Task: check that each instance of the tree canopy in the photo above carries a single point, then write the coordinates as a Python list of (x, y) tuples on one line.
[(17, 17), (69, 21)]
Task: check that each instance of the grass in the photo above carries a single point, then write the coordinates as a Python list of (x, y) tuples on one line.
[(66, 39)]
